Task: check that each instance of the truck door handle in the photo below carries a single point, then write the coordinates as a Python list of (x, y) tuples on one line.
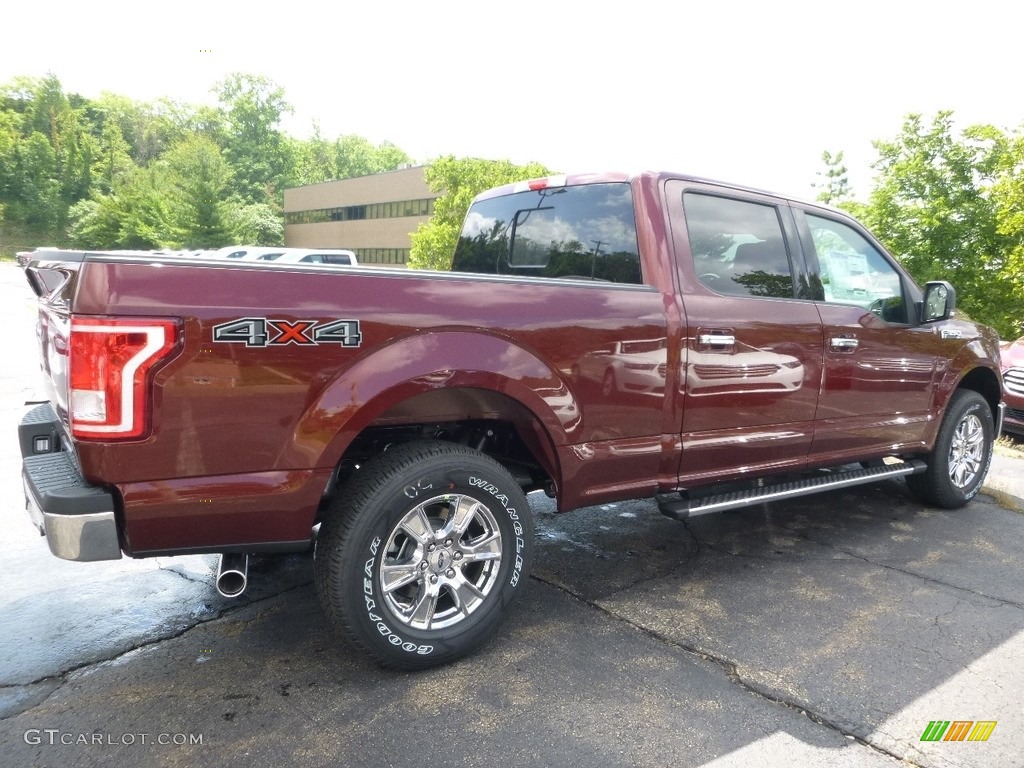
[(716, 340), (842, 343)]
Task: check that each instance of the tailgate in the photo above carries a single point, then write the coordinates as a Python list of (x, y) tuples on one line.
[(53, 276)]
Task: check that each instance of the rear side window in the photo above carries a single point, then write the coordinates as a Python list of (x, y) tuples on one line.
[(583, 232), (738, 247)]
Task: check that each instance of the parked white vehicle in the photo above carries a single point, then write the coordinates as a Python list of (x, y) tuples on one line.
[(283, 255), (333, 257), (249, 252)]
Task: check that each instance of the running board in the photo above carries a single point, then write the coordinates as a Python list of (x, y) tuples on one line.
[(681, 509)]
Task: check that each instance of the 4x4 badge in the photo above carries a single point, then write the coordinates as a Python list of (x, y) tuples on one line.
[(265, 332)]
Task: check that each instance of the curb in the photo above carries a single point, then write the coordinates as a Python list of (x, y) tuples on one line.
[(1005, 499), (1005, 481)]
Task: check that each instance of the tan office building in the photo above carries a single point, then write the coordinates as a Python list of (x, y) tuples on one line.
[(371, 215)]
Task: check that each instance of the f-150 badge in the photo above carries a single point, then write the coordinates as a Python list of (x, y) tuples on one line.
[(264, 332)]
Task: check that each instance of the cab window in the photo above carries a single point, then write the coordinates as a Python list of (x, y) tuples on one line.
[(584, 232), (854, 272), (738, 246)]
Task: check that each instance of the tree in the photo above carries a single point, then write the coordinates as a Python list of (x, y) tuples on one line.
[(256, 224), (36, 192), (251, 110), (197, 180), (113, 162), (113, 172), (356, 156), (1008, 198), (137, 215), (46, 106), (459, 180), (145, 216), (834, 184), (936, 205), (315, 160), (94, 223)]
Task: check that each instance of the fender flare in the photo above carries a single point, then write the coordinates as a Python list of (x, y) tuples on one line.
[(426, 362), (971, 361)]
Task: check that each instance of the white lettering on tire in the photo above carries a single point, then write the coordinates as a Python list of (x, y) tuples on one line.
[(517, 527)]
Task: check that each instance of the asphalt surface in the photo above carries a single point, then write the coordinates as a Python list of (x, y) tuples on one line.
[(827, 631)]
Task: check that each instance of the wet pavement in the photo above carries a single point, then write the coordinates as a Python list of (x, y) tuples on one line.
[(829, 630)]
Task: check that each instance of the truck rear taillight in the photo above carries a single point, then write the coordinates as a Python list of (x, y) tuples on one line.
[(110, 365)]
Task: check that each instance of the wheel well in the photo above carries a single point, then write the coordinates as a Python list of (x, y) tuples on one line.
[(498, 439), (487, 421), (984, 382)]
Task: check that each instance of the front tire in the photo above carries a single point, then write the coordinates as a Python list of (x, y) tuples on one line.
[(608, 383), (962, 454), (421, 555)]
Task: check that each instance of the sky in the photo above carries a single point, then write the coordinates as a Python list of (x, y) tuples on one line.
[(740, 91)]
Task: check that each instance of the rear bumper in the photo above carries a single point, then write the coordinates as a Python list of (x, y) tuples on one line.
[(76, 518)]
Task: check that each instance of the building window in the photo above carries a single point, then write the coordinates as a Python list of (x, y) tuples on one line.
[(402, 208), (396, 256)]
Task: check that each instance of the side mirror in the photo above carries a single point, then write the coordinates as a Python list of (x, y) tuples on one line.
[(939, 301)]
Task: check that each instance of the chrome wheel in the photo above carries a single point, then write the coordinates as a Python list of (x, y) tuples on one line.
[(440, 562), (966, 451)]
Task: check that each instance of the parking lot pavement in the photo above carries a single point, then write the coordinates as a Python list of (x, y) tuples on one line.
[(825, 631)]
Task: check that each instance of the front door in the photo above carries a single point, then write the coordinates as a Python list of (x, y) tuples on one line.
[(880, 367)]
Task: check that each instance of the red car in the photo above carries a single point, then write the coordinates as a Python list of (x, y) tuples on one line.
[(1012, 357)]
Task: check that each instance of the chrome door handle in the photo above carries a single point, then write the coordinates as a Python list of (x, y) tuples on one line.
[(716, 340), (840, 343)]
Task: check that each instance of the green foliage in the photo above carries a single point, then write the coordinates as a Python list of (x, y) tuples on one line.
[(315, 160), (936, 205), (834, 185), (318, 160), (116, 173), (136, 216), (93, 224), (197, 179), (256, 224), (1007, 195), (113, 162), (251, 110), (950, 206), (459, 180)]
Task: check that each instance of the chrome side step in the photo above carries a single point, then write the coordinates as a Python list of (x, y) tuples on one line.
[(680, 509)]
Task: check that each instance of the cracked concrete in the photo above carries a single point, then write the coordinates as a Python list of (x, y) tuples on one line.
[(21, 698), (882, 635)]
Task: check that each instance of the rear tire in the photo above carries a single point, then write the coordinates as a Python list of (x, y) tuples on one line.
[(422, 553), (962, 454)]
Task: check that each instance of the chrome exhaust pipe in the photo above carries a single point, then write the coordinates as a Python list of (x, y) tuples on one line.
[(233, 574)]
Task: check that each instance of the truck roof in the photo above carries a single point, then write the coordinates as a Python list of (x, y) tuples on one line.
[(566, 180)]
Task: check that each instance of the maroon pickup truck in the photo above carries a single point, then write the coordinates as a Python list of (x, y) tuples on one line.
[(599, 338)]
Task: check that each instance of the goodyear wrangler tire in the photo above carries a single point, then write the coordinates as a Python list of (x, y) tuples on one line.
[(421, 555), (962, 454)]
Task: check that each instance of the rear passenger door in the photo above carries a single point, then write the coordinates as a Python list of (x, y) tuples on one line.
[(753, 345)]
